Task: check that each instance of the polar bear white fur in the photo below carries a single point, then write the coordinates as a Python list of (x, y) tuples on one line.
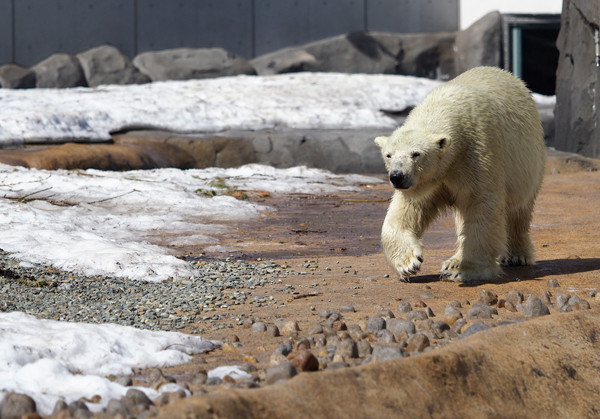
[(476, 145)]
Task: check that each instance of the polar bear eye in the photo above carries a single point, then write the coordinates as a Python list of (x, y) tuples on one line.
[(415, 155), (388, 156)]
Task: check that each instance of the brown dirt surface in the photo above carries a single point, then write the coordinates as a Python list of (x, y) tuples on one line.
[(332, 243)]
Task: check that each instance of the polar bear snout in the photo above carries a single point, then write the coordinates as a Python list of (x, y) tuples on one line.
[(400, 180)]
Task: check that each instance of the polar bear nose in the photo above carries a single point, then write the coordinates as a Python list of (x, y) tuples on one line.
[(400, 180)]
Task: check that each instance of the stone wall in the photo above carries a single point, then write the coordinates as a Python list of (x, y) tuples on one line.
[(577, 112)]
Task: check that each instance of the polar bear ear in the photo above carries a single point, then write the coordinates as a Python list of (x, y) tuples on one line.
[(380, 141), (442, 143)]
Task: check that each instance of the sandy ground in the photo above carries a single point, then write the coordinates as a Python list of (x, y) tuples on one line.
[(334, 241)]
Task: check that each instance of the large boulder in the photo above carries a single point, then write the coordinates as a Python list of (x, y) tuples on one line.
[(577, 127), (188, 63), (13, 76), (424, 55), (480, 43), (107, 65), (58, 71)]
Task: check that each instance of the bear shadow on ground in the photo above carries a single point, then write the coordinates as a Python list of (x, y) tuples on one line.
[(542, 269)]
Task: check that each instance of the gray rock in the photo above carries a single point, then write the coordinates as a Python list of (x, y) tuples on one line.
[(578, 303), (189, 63), (280, 372), (417, 343), (480, 43), (546, 297), (488, 297), (417, 315), (376, 323), (562, 299), (284, 349), (259, 327), (480, 310), (107, 65), (534, 307), (79, 410), (364, 348), (439, 327), (59, 71), (474, 328), (60, 406), (273, 330), (387, 352), (14, 405), (348, 309), (385, 336), (404, 307), (13, 76), (287, 60), (387, 313), (553, 283), (347, 349), (577, 94), (116, 407), (514, 297), (136, 401), (398, 326), (429, 312)]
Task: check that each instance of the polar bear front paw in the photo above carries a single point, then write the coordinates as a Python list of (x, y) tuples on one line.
[(408, 264), (517, 260), (451, 271)]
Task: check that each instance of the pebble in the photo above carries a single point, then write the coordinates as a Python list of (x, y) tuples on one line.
[(259, 327), (385, 336), (347, 309), (290, 328), (273, 331), (387, 313), (280, 372), (534, 307), (474, 328), (488, 297), (404, 307), (553, 283), (347, 348), (417, 343), (398, 326), (14, 405), (304, 360), (417, 315), (387, 352), (452, 314), (514, 297), (480, 310), (376, 323)]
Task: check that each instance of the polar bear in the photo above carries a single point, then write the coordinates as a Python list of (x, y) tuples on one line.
[(475, 145)]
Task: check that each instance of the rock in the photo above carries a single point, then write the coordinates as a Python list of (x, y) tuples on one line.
[(404, 307), (417, 343), (356, 332), (488, 297), (385, 336), (387, 313), (280, 372), (304, 360), (439, 327), (510, 306), (387, 352), (474, 328), (546, 297), (14, 405), (420, 304), (429, 312), (376, 323), (364, 348), (348, 309), (514, 297), (480, 310), (79, 410), (577, 95), (455, 304), (553, 283), (290, 328), (117, 407), (287, 60), (284, 349), (259, 327), (479, 44), (13, 76), (167, 397), (60, 406), (347, 349), (59, 71), (107, 65), (534, 307), (136, 401), (399, 326), (190, 63), (452, 314), (273, 331), (417, 315), (578, 303)]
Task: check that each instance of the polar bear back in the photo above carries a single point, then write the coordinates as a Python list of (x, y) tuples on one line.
[(494, 127)]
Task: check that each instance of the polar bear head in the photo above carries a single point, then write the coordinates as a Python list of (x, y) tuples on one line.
[(413, 158)]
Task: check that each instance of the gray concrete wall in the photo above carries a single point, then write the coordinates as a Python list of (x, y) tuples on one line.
[(31, 30)]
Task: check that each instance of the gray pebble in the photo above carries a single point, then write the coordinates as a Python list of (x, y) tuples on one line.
[(116, 407), (387, 313), (387, 352), (364, 348), (417, 343), (397, 326), (455, 304), (375, 323), (417, 315), (488, 297), (347, 309), (474, 328), (273, 331), (429, 312), (259, 327), (404, 307), (514, 297), (356, 331), (546, 297), (14, 405), (480, 310), (347, 349), (385, 336), (553, 283), (280, 372), (284, 349), (534, 307)]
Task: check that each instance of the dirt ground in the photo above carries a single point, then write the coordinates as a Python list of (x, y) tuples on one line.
[(332, 242)]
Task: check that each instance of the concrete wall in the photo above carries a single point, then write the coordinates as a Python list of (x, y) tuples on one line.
[(30, 30)]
